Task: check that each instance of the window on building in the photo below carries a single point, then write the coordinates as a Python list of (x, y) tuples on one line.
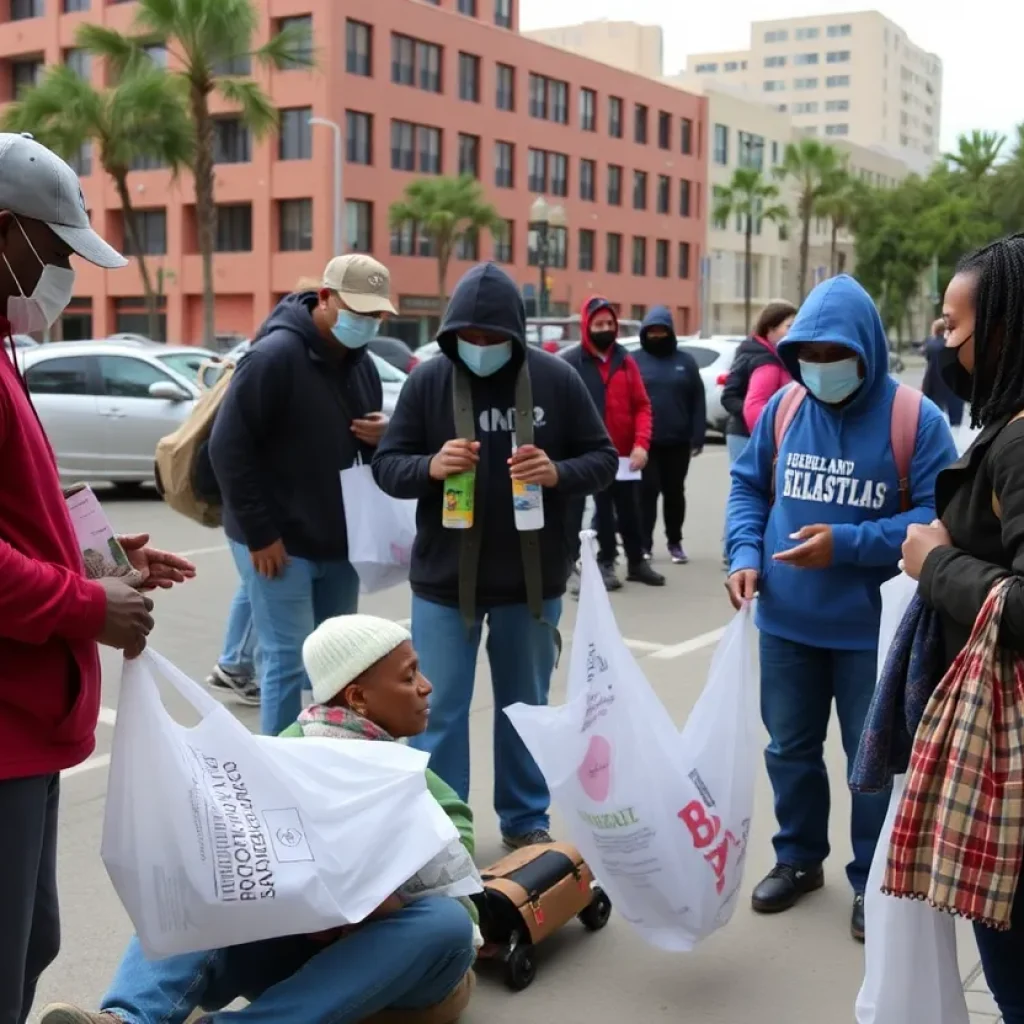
[(661, 258), (805, 83), (428, 66), (359, 137), (295, 139), (614, 185), (358, 48), (81, 164), (506, 87), (234, 228), (537, 171), (79, 61), (558, 164), (467, 246), (70, 6), (467, 7), (838, 57), (504, 243), (403, 143), (232, 141), (806, 33), (751, 150), (295, 225), (469, 78), (806, 108), (664, 199), (23, 9), (151, 226), (615, 117), (639, 190), (684, 260), (613, 257), (837, 129), (778, 35), (805, 58), (301, 28), (588, 110), (707, 68), (778, 61), (836, 106), (469, 155), (835, 31), (428, 146), (233, 67), (403, 239), (358, 226), (558, 101), (538, 96), (587, 247), (664, 130), (686, 136), (25, 74), (720, 150), (684, 198), (774, 85), (837, 81), (558, 247), (640, 115), (503, 13), (504, 164), (403, 59), (639, 256), (588, 180)]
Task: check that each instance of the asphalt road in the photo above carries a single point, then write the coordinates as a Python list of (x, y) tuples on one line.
[(798, 968)]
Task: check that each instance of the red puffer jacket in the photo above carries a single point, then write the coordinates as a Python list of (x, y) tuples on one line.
[(614, 382)]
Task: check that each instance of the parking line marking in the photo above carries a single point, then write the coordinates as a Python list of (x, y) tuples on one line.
[(695, 643)]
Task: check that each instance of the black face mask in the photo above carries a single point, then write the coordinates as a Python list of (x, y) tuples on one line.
[(953, 373), (602, 340), (659, 346)]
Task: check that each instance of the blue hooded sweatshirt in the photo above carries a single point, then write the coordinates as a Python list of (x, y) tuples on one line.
[(835, 467)]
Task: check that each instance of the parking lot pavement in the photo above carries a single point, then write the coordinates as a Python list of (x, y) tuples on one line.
[(798, 968)]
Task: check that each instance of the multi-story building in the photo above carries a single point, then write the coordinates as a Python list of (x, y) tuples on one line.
[(622, 44), (842, 76), (418, 89)]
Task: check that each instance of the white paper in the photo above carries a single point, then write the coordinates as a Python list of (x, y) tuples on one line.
[(624, 472)]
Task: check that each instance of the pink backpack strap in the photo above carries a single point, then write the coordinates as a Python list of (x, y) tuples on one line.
[(906, 414), (785, 412)]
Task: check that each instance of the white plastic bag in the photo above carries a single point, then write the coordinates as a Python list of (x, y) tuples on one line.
[(911, 974), (214, 837), (381, 531), (896, 594), (661, 818)]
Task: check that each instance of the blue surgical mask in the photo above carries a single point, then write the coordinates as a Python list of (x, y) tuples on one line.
[(484, 360), (831, 383), (353, 330)]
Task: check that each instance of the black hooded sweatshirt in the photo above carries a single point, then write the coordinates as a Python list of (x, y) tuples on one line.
[(283, 435), (566, 426)]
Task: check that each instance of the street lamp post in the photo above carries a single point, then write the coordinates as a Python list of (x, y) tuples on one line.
[(544, 218), (339, 210)]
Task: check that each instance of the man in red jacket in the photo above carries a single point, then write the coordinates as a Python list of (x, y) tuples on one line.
[(51, 617), (614, 382)]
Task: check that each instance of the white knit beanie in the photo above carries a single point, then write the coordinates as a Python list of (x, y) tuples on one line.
[(342, 649)]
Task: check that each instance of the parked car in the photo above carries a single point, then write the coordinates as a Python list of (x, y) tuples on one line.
[(555, 333), (395, 351), (24, 341)]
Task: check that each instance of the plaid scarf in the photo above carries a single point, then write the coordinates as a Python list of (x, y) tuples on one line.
[(958, 837), (339, 724)]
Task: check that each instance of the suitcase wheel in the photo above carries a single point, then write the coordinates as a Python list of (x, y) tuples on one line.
[(595, 916), (520, 967)]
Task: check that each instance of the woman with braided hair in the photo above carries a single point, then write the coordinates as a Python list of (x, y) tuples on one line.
[(979, 539)]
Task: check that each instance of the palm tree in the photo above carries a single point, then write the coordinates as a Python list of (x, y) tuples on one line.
[(143, 115), (754, 199), (837, 202), (1009, 185), (809, 164), (445, 210), (211, 46), (976, 154)]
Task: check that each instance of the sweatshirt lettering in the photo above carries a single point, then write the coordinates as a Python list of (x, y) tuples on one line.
[(830, 482)]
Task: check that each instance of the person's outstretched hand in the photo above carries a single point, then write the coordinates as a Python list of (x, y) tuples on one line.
[(159, 569)]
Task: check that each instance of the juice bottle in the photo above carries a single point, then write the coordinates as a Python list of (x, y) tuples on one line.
[(457, 506), (527, 502)]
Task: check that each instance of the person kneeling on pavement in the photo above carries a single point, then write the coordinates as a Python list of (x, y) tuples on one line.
[(815, 523), (408, 963)]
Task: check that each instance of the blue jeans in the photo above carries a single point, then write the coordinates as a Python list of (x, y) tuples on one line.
[(521, 652), (239, 654), (798, 685), (410, 960), (1002, 954), (285, 610)]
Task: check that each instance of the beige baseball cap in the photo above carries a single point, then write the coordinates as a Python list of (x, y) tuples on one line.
[(363, 284)]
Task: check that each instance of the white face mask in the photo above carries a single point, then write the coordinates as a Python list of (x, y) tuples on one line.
[(28, 314)]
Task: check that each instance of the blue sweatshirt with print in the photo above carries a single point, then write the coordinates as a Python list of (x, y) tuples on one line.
[(835, 467)]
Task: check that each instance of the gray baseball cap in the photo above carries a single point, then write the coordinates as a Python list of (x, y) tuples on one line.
[(36, 183), (363, 283)]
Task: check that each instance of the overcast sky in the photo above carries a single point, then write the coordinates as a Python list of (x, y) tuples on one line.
[(979, 42)]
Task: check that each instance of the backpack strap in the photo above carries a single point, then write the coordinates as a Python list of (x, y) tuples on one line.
[(785, 413), (906, 414)]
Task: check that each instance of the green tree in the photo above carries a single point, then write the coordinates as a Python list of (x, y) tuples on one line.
[(749, 196), (976, 154), (143, 115), (837, 202), (445, 210), (1008, 187), (211, 46), (810, 165)]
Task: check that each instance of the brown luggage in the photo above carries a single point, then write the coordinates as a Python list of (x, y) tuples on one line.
[(531, 894)]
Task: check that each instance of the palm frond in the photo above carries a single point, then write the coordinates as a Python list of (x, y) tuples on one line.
[(258, 111)]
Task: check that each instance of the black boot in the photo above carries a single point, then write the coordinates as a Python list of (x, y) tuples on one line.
[(609, 577), (783, 886), (857, 918), (644, 572)]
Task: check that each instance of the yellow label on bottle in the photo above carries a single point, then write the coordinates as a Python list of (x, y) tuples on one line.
[(457, 507)]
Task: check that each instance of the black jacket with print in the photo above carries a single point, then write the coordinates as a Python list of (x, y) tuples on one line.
[(567, 427)]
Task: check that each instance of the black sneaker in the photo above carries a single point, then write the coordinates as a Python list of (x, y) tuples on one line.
[(857, 918), (783, 886), (644, 572), (609, 577), (535, 837), (243, 688)]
